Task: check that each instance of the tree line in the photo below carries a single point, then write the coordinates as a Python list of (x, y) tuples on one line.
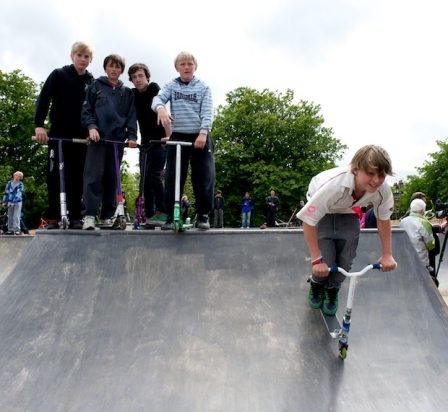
[(263, 140)]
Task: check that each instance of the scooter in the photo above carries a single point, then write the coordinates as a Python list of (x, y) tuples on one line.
[(64, 223), (337, 329)]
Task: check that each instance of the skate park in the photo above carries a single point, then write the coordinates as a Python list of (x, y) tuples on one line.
[(211, 321)]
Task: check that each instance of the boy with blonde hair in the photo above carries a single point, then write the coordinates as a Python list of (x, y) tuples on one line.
[(64, 90), (331, 226), (12, 199), (192, 117)]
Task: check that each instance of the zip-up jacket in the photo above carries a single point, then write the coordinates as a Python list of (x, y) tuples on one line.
[(218, 203), (110, 110), (191, 105), (13, 194), (65, 90)]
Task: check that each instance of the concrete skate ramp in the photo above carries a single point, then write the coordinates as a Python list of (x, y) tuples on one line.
[(11, 248), (216, 321)]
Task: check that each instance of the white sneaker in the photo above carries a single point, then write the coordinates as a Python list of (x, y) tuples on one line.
[(89, 223)]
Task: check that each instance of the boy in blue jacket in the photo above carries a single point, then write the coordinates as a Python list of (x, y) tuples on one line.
[(12, 199), (108, 113)]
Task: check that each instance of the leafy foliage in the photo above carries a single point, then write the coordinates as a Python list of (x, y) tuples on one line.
[(264, 141), (432, 178), (18, 95)]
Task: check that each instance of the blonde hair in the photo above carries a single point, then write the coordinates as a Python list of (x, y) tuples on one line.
[(183, 55), (20, 174), (372, 157), (83, 47)]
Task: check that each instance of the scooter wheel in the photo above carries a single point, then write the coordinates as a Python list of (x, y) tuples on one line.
[(122, 223), (343, 352), (64, 223)]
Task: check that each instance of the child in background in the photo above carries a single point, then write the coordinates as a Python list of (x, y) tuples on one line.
[(12, 199)]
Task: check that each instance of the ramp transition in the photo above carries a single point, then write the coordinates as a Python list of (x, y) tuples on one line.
[(11, 248), (216, 321)]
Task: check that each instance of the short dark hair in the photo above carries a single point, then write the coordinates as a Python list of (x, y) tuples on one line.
[(418, 195), (115, 58), (138, 66)]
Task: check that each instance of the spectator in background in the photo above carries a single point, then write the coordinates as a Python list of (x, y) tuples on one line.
[(185, 205), (272, 203), (246, 210), (218, 210), (12, 199), (420, 232)]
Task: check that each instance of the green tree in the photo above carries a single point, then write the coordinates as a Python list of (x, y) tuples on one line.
[(432, 178), (18, 95), (264, 141)]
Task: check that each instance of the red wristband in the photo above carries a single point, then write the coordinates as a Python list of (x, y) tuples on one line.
[(317, 261)]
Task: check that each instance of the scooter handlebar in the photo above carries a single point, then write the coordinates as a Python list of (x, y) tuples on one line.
[(66, 139), (334, 269)]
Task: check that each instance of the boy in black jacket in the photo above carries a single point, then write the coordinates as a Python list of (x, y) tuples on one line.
[(64, 90), (144, 93), (108, 113)]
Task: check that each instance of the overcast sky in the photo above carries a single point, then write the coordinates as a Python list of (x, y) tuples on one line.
[(378, 69)]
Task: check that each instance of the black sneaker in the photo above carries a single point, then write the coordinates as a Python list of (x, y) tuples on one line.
[(203, 222), (52, 224), (75, 224), (168, 225)]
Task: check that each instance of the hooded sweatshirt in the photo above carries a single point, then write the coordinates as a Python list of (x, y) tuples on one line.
[(111, 110), (65, 90)]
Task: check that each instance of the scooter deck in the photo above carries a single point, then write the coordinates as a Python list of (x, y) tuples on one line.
[(332, 323)]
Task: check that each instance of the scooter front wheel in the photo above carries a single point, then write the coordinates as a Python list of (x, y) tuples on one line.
[(64, 223), (122, 223)]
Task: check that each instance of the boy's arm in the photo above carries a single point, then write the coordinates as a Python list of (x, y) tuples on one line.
[(206, 112), (131, 122), (41, 110), (310, 233), (385, 232), (158, 105), (88, 113), (206, 116)]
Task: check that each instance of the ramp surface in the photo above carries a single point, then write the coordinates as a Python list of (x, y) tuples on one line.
[(11, 248), (216, 321)]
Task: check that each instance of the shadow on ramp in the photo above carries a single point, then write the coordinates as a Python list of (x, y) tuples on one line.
[(131, 321)]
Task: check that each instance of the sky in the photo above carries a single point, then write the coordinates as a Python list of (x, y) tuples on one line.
[(377, 69)]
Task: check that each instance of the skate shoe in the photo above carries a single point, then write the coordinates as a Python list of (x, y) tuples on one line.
[(330, 306), (203, 222), (52, 224), (75, 224), (89, 223), (168, 225), (316, 295), (158, 219)]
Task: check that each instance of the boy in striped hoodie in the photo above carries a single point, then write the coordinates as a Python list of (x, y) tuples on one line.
[(191, 120)]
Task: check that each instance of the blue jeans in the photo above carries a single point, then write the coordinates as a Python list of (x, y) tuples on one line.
[(246, 219), (338, 236)]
